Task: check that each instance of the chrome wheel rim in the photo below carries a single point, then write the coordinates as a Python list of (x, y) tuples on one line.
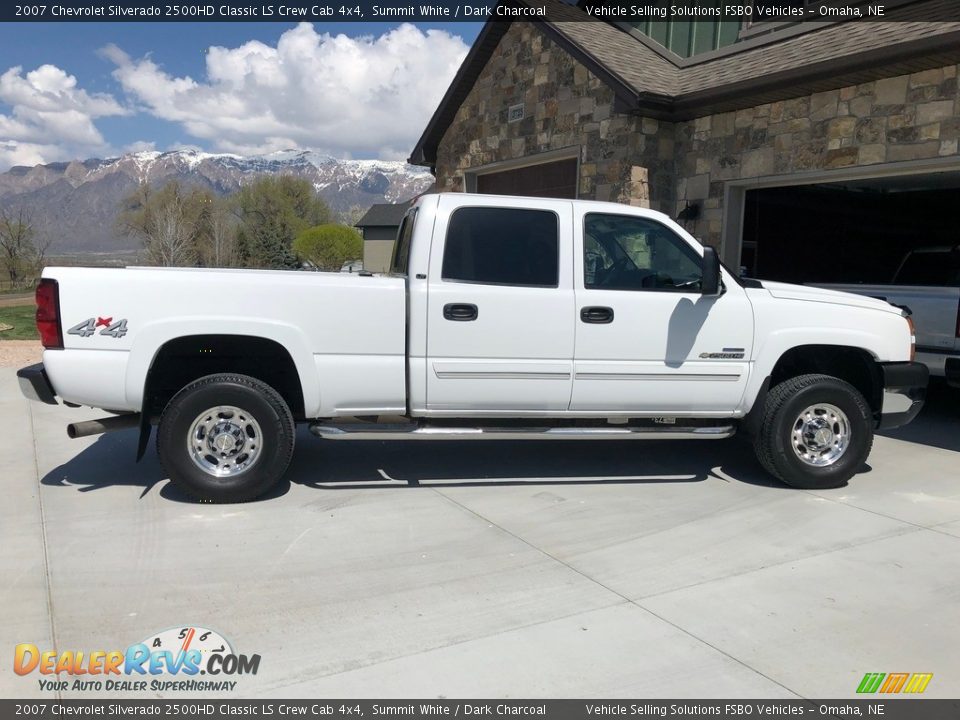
[(820, 435), (225, 441)]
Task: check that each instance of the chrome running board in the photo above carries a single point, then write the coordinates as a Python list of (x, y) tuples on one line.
[(412, 431)]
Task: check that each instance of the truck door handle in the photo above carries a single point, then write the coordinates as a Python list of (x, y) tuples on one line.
[(460, 312), (597, 314)]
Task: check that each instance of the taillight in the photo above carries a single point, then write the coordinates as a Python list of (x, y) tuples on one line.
[(913, 338), (48, 314)]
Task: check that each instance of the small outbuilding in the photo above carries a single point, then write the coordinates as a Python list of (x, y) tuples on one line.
[(379, 229)]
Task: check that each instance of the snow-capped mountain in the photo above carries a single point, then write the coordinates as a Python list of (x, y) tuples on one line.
[(76, 203)]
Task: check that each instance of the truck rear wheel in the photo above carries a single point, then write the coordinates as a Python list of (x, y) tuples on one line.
[(816, 432), (226, 438)]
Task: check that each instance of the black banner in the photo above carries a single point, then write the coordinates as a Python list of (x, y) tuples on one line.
[(745, 11), (900, 709)]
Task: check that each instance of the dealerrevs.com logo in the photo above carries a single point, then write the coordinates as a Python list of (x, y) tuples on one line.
[(170, 660)]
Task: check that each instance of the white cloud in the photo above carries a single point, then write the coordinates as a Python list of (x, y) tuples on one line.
[(362, 96), (140, 146), (50, 117)]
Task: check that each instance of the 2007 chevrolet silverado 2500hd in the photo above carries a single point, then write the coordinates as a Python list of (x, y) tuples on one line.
[(503, 317)]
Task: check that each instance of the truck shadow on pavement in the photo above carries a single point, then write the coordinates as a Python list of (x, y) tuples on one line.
[(387, 465), (109, 462), (390, 465), (336, 465)]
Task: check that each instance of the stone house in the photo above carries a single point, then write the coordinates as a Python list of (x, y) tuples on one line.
[(792, 139)]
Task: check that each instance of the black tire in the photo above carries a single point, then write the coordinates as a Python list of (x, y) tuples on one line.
[(782, 408), (263, 429)]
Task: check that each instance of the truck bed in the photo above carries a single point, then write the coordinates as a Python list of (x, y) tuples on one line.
[(352, 327)]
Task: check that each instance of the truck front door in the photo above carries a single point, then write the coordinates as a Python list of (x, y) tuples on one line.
[(500, 302), (647, 341)]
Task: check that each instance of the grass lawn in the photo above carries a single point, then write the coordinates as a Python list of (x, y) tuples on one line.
[(22, 319)]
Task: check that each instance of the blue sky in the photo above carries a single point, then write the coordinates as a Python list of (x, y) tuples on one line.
[(94, 89)]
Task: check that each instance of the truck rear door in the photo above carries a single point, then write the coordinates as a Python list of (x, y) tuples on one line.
[(500, 333)]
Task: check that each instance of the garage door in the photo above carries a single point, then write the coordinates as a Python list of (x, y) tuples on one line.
[(552, 179), (848, 231)]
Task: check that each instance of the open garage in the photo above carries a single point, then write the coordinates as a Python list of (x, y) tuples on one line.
[(854, 230)]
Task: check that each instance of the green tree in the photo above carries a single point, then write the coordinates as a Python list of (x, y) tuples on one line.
[(272, 212), (329, 246)]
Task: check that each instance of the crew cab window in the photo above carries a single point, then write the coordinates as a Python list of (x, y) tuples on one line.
[(623, 252), (502, 246), (401, 252), (934, 267)]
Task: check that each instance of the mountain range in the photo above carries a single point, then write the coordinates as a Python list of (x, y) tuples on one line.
[(75, 204)]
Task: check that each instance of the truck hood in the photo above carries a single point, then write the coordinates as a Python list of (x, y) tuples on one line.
[(786, 291)]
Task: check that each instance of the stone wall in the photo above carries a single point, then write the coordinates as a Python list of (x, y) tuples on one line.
[(910, 117), (662, 165), (622, 158)]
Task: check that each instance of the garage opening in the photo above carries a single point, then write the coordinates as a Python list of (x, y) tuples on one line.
[(850, 231), (556, 179)]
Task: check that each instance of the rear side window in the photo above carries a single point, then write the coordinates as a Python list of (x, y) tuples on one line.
[(502, 246), (401, 251), (931, 267)]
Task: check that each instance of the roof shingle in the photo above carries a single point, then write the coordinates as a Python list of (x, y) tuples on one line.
[(384, 215)]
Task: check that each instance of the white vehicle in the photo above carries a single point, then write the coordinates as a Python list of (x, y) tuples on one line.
[(503, 317), (927, 284)]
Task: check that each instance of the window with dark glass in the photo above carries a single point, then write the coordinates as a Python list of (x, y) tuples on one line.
[(623, 252), (401, 253), (931, 266), (502, 246)]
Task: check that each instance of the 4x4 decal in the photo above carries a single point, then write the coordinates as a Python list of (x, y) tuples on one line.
[(110, 328)]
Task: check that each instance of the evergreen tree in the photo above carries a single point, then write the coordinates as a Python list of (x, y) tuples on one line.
[(273, 211)]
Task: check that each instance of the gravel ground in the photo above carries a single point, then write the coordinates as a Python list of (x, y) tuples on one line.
[(17, 353), (16, 300)]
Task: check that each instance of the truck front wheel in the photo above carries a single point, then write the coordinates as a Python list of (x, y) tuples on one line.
[(816, 432), (226, 438)]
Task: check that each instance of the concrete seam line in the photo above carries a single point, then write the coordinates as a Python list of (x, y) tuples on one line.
[(403, 656), (867, 510), (43, 535), (935, 529), (899, 533), (619, 594)]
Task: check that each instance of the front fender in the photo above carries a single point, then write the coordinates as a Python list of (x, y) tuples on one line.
[(779, 342)]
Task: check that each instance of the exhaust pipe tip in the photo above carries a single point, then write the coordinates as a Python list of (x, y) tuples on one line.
[(103, 425)]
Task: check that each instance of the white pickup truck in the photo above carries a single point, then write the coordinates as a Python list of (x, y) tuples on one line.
[(927, 284), (502, 317)]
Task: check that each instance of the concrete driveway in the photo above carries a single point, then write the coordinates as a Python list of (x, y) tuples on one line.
[(494, 569)]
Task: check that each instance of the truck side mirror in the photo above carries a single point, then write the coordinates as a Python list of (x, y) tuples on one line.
[(710, 283)]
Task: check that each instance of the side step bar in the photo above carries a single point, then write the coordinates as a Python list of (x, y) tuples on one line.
[(411, 431)]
